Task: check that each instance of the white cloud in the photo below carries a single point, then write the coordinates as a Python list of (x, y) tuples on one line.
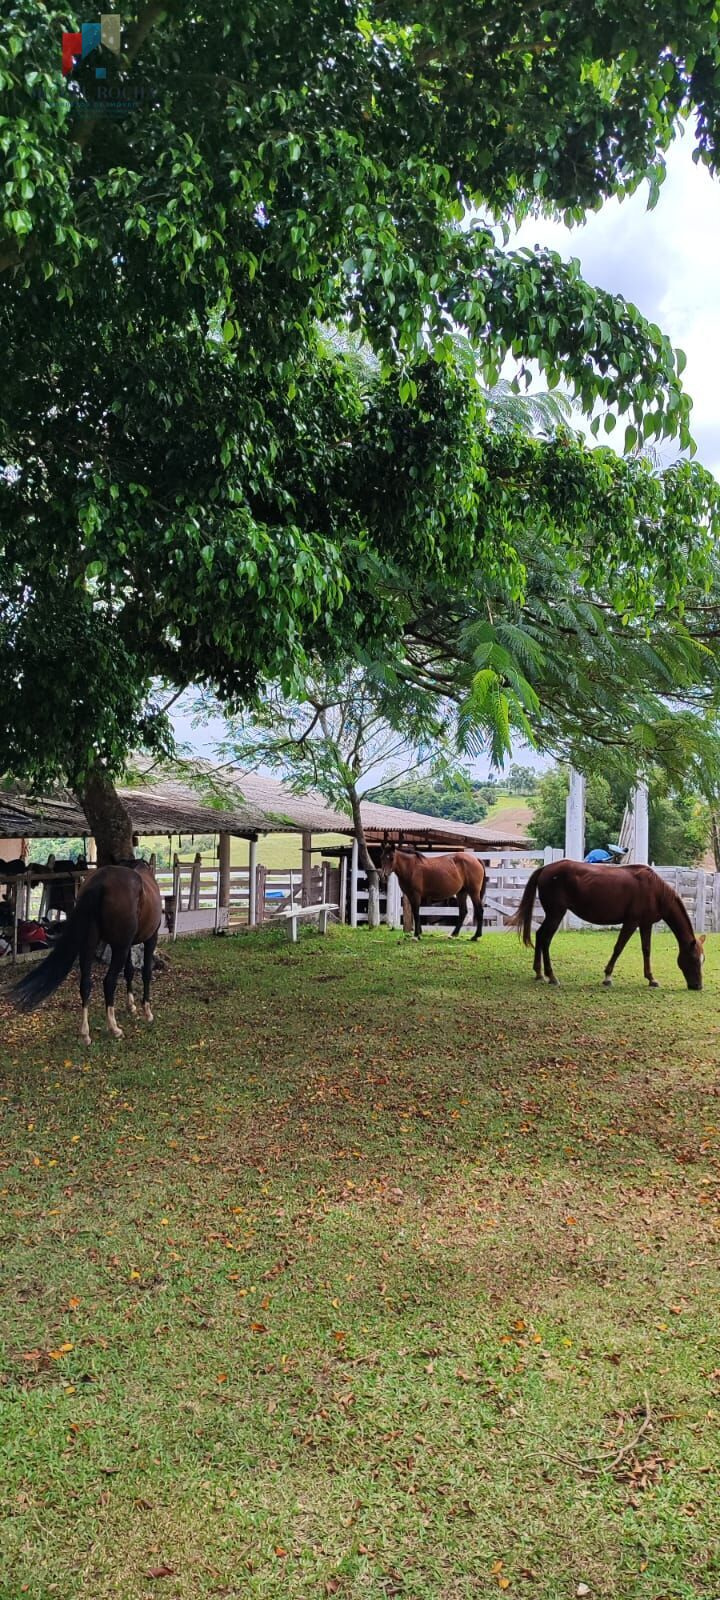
[(667, 263)]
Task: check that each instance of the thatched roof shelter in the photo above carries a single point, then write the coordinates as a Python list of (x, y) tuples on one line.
[(243, 804)]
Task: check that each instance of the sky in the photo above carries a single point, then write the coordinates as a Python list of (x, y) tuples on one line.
[(667, 263)]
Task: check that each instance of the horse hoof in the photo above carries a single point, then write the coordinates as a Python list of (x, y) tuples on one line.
[(653, 983), (148, 1014), (555, 982), (607, 983), (538, 977), (132, 1008), (84, 1039)]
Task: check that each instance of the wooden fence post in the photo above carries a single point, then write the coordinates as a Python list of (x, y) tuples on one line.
[(715, 928), (393, 914), (700, 901), (253, 885), (354, 885), (343, 888), (260, 872), (306, 898), (224, 869)]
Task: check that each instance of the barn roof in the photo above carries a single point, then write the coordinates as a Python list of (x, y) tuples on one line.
[(245, 804)]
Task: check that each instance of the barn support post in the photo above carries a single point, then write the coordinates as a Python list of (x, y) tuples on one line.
[(224, 869), (194, 894), (575, 817), (177, 895), (575, 830), (640, 829), (354, 884), (252, 884), (306, 896)]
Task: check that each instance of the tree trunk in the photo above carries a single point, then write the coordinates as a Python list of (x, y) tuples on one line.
[(715, 824), (109, 820), (366, 861)]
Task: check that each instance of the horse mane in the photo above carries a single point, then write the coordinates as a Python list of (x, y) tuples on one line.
[(675, 912)]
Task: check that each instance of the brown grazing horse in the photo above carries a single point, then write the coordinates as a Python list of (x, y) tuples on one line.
[(120, 906), (636, 897), (426, 879)]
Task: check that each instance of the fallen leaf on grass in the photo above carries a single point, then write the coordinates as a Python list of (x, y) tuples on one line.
[(160, 1572)]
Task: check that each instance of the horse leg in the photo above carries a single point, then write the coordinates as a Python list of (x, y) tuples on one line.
[(645, 940), (549, 929), (148, 961), (462, 911), (479, 908), (129, 975), (417, 929), (118, 959), (626, 932), (86, 965), (539, 942)]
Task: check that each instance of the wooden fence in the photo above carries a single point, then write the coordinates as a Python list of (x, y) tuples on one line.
[(191, 894), (507, 874)]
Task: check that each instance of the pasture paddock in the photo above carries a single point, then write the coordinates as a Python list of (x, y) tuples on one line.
[(373, 1270)]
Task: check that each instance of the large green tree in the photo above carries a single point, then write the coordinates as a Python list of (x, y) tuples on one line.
[(195, 485)]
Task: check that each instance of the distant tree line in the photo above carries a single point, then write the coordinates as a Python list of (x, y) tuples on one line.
[(457, 798)]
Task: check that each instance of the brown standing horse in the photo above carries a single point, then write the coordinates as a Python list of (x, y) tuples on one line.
[(636, 897), (120, 906), (424, 879)]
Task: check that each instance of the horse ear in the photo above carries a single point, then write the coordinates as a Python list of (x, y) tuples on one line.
[(700, 938)]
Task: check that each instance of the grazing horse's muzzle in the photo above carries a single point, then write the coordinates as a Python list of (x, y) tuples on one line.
[(690, 962)]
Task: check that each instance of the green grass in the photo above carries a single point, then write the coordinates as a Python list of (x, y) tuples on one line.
[(372, 1270)]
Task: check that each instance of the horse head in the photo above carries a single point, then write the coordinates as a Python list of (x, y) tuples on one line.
[(690, 961), (387, 861)]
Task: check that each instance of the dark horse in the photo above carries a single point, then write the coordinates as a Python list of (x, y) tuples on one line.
[(119, 906), (423, 879), (636, 897)]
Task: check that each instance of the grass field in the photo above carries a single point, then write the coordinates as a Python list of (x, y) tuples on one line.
[(510, 811), (372, 1270)]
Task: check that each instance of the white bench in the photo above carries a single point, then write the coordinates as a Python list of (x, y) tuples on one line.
[(292, 914)]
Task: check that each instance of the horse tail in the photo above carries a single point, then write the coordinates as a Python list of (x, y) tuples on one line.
[(522, 919), (42, 981)]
